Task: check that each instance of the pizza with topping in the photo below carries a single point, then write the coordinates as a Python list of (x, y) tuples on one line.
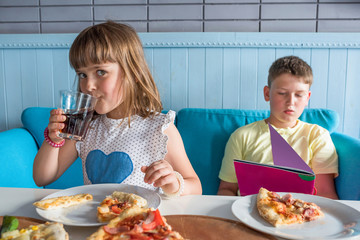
[(137, 223), (46, 231), (112, 206), (285, 210)]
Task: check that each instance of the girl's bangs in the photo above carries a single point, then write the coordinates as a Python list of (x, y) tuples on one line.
[(90, 50)]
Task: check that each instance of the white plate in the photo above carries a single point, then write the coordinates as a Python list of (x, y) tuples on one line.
[(85, 214), (340, 221)]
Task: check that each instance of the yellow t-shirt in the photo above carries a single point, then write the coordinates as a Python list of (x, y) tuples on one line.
[(252, 142)]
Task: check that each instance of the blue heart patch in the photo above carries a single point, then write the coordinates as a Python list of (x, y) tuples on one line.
[(112, 168)]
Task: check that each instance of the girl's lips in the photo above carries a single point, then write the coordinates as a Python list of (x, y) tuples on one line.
[(289, 111)]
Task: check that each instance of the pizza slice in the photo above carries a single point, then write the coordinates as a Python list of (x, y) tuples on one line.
[(63, 201), (285, 210), (46, 231), (113, 205), (137, 223)]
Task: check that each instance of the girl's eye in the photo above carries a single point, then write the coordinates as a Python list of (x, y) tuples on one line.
[(281, 93), (82, 75), (100, 72)]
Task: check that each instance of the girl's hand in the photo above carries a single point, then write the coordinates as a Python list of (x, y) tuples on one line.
[(56, 124), (161, 174)]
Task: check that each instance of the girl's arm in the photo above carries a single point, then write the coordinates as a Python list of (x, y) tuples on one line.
[(180, 162), (325, 186), (50, 162), (161, 173)]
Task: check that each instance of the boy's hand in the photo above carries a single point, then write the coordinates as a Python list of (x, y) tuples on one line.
[(161, 174), (56, 124)]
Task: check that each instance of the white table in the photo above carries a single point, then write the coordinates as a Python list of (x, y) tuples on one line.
[(18, 202)]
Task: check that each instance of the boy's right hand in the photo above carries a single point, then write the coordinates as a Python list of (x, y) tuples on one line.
[(56, 123)]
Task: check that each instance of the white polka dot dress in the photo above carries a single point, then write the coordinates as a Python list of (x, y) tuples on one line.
[(113, 152)]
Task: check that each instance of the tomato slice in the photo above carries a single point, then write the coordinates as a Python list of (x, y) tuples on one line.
[(116, 209), (157, 220)]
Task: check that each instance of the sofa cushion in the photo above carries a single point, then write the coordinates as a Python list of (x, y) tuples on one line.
[(205, 133), (326, 118), (35, 120), (347, 183), (18, 150)]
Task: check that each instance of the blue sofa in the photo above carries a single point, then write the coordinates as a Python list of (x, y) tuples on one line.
[(204, 132)]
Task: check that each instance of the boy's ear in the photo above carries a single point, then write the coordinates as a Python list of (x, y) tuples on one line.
[(308, 98), (267, 93)]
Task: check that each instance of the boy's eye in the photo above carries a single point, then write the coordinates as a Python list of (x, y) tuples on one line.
[(281, 93), (82, 75), (100, 72)]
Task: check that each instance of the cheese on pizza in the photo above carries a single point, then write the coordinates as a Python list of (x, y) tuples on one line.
[(113, 205), (137, 223), (46, 231), (63, 201), (285, 210)]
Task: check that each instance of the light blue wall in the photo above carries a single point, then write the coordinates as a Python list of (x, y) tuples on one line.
[(204, 70)]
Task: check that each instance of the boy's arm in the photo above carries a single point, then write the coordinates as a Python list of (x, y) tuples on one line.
[(325, 186), (324, 163), (227, 188), (228, 181)]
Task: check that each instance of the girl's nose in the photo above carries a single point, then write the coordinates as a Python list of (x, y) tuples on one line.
[(90, 84)]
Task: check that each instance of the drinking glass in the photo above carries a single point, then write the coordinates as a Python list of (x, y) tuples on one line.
[(78, 108)]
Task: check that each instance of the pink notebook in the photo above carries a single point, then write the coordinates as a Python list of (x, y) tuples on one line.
[(288, 174)]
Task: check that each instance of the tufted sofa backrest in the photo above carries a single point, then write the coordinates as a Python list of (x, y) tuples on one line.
[(205, 133)]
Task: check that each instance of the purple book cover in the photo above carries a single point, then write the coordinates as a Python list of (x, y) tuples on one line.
[(288, 174)]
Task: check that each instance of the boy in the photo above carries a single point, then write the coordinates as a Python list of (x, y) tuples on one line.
[(288, 92)]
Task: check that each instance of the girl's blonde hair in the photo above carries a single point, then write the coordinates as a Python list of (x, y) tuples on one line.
[(115, 42)]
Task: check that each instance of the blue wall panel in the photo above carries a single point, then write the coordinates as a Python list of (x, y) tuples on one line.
[(201, 70), (337, 83), (60, 73), (28, 73), (13, 95), (248, 78), (352, 106), (3, 103), (178, 78), (231, 76), (320, 66), (214, 78), (282, 52), (161, 73), (45, 81), (196, 75), (266, 57)]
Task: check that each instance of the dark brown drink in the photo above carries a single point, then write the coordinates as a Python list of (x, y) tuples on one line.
[(76, 124)]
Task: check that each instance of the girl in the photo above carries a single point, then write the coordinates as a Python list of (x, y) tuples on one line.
[(130, 141)]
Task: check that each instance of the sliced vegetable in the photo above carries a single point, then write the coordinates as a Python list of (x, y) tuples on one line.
[(116, 209), (153, 220), (10, 223)]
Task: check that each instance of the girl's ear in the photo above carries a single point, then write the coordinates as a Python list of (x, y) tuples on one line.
[(267, 93)]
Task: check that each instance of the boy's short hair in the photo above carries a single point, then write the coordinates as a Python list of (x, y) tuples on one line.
[(293, 65)]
